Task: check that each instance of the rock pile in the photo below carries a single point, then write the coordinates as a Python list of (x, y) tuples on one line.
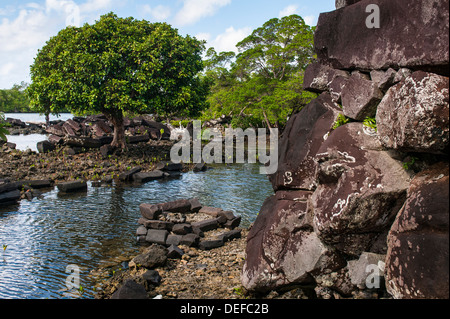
[(12, 192), (97, 132), (185, 222), (350, 215)]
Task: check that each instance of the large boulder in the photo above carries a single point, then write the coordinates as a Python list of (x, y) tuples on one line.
[(318, 77), (301, 139), (361, 189), (412, 34), (282, 248), (360, 97), (417, 262), (414, 114)]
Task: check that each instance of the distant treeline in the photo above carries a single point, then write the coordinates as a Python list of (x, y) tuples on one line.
[(15, 99)]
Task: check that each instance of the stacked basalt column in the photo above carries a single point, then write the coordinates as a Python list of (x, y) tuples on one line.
[(352, 196)]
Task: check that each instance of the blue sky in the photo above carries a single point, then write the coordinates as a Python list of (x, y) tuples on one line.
[(25, 25)]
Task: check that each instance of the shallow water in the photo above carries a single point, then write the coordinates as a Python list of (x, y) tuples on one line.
[(44, 236)]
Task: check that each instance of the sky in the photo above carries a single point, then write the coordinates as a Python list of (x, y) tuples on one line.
[(26, 25)]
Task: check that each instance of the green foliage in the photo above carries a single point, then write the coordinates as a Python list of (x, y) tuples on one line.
[(183, 123), (15, 99), (341, 120), (371, 123), (119, 65), (408, 165), (3, 131), (263, 84)]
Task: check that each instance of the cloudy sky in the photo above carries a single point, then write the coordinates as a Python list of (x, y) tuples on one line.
[(25, 25)]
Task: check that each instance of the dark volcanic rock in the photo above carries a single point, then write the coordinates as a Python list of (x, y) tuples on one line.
[(414, 114), (318, 77), (130, 290), (417, 262), (70, 187), (282, 248), (360, 98), (361, 188), (420, 41), (45, 147), (301, 139)]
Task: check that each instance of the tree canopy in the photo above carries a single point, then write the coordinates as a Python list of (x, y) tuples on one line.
[(262, 85), (15, 99), (119, 65)]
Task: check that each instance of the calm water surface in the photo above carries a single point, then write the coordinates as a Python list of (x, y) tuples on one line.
[(45, 235)]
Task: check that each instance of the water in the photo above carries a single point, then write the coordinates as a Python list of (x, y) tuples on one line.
[(23, 142), (35, 117), (46, 235)]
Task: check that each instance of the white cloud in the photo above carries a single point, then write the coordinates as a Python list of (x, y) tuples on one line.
[(310, 20), (289, 10), (227, 41), (159, 13), (25, 28), (194, 10)]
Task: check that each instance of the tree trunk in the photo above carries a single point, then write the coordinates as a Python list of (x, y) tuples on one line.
[(47, 119), (119, 131)]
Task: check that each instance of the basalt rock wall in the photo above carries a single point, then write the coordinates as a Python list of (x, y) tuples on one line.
[(361, 192)]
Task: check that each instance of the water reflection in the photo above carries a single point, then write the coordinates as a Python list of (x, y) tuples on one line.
[(45, 235)]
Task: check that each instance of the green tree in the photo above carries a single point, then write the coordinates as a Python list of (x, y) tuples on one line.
[(262, 85), (119, 65), (3, 131), (15, 99)]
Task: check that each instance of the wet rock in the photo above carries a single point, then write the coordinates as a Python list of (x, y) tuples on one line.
[(130, 290), (200, 167), (169, 166), (361, 189), (360, 98), (145, 177), (301, 139), (128, 175), (282, 249), (414, 114), (36, 184), (343, 41), (418, 243), (45, 147), (9, 197), (71, 187)]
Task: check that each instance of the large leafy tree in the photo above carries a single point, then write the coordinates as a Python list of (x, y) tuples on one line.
[(119, 65), (262, 85)]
